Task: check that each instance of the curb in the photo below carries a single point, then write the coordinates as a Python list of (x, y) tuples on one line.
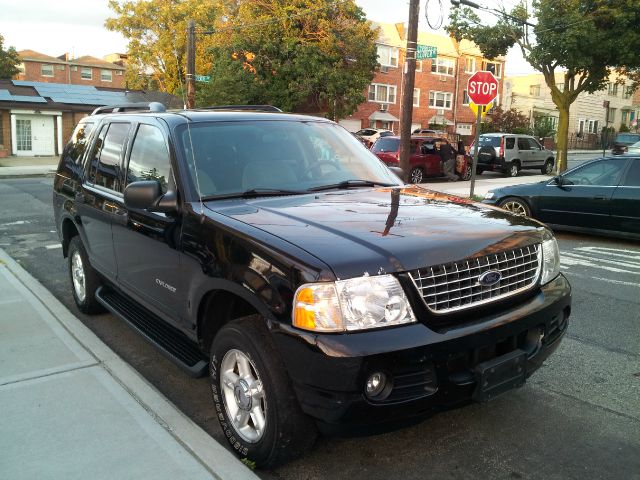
[(220, 462)]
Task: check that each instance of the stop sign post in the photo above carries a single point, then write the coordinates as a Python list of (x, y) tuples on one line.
[(482, 89)]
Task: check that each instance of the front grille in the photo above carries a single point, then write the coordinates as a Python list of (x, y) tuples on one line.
[(454, 286)]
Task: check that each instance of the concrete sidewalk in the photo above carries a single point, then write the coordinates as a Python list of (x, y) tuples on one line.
[(484, 183), (72, 409), (11, 167)]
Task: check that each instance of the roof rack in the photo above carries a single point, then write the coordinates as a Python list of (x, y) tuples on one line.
[(254, 108), (131, 107)]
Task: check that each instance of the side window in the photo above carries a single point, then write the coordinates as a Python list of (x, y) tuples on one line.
[(107, 173), (72, 154), (149, 158), (523, 144), (94, 156), (632, 178), (510, 142), (602, 173), (533, 144)]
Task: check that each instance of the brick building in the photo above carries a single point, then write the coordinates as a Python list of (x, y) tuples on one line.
[(87, 70), (440, 97)]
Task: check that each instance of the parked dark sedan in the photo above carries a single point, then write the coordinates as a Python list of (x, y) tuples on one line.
[(602, 196)]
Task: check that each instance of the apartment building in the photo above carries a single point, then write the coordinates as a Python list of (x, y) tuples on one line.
[(86, 70), (614, 106), (439, 97)]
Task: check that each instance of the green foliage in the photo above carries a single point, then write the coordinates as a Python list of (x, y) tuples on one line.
[(583, 40), (506, 121), (543, 127), (623, 128), (156, 30), (299, 55), (9, 61)]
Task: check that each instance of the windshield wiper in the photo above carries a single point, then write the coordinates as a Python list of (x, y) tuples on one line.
[(253, 193), (352, 183)]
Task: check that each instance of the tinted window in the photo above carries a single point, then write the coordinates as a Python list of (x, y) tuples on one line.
[(72, 155), (523, 144), (490, 141), (149, 158), (108, 171), (386, 134), (386, 144), (632, 179), (603, 173), (94, 157), (510, 142), (627, 138)]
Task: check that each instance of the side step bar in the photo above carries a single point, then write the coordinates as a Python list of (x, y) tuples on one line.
[(173, 344)]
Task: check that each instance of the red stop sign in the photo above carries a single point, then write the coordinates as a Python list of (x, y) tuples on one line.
[(482, 87)]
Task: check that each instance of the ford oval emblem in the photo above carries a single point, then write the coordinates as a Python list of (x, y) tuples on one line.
[(489, 278)]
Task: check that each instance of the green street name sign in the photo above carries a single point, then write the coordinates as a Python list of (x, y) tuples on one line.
[(426, 51), (203, 78)]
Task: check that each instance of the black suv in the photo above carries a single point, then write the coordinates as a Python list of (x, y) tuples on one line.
[(279, 255)]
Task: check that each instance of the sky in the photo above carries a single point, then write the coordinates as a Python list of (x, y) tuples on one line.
[(77, 26)]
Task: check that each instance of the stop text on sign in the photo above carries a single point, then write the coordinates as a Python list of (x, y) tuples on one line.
[(482, 87)]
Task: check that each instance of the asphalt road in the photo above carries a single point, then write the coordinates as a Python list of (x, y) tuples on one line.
[(578, 417)]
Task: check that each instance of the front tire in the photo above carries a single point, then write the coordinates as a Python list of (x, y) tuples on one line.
[(548, 167), (515, 205), (84, 279), (255, 404), (416, 175), (513, 169)]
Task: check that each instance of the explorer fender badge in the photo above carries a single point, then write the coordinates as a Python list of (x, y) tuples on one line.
[(166, 285), (489, 278)]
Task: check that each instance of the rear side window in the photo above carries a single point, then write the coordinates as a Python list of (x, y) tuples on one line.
[(632, 179), (149, 159), (72, 154), (106, 156), (386, 144), (510, 142)]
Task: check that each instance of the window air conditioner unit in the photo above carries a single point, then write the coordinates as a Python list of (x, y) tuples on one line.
[(384, 107), (441, 111), (442, 78), (384, 69)]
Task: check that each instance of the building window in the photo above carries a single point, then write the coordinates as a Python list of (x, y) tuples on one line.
[(465, 97), (86, 73), (625, 117), (60, 67), (387, 56), (560, 86), (442, 66), (23, 135), (612, 115), (46, 70), (493, 67), (418, 65), (627, 91), (119, 73), (440, 100), (74, 68), (534, 90), (613, 89), (105, 75), (470, 65), (382, 93), (416, 97)]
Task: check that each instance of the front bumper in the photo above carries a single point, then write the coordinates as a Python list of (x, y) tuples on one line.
[(430, 370)]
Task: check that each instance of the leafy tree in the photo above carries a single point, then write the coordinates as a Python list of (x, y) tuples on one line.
[(9, 61), (300, 55), (156, 30), (586, 40), (509, 121), (543, 127)]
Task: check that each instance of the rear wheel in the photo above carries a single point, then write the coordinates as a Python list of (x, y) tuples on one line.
[(513, 169), (466, 175), (255, 404), (416, 175), (548, 167), (515, 205), (84, 279)]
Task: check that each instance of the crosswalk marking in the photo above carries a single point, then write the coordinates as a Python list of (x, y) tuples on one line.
[(615, 260)]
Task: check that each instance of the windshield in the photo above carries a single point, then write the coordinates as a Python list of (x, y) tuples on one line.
[(235, 157), (489, 141), (386, 144)]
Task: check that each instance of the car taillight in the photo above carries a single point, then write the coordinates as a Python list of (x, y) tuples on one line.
[(502, 147)]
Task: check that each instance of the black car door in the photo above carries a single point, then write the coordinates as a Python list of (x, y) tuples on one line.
[(146, 243), (625, 203), (98, 199), (583, 196)]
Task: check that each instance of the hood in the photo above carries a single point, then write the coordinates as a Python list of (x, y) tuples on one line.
[(384, 230)]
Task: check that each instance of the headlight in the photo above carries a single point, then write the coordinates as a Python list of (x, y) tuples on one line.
[(550, 258), (489, 195), (355, 304)]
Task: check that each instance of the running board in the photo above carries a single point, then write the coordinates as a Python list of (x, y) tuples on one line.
[(173, 344)]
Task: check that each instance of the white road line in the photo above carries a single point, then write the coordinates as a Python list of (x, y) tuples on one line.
[(51, 247), (608, 280), (628, 254), (567, 262), (608, 249), (620, 263)]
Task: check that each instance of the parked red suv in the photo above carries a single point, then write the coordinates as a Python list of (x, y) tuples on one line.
[(425, 159)]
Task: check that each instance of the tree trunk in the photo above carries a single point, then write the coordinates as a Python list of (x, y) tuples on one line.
[(562, 138)]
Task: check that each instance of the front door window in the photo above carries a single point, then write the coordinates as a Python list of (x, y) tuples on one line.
[(23, 135)]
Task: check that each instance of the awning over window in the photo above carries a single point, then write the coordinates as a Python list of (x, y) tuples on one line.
[(383, 116)]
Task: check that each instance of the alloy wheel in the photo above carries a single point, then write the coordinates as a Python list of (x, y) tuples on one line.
[(78, 277), (516, 208), (416, 175)]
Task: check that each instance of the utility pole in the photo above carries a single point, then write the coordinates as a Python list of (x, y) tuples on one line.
[(408, 82), (191, 64)]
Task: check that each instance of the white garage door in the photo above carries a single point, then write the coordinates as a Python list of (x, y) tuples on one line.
[(34, 135), (351, 125)]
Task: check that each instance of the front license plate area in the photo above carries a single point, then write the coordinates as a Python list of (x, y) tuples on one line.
[(499, 375)]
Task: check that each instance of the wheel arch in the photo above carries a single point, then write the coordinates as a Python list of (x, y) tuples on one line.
[(69, 230)]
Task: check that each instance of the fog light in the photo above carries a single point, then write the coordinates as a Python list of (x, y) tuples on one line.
[(375, 384)]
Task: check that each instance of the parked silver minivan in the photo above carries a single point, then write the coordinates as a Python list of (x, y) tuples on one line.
[(510, 153)]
